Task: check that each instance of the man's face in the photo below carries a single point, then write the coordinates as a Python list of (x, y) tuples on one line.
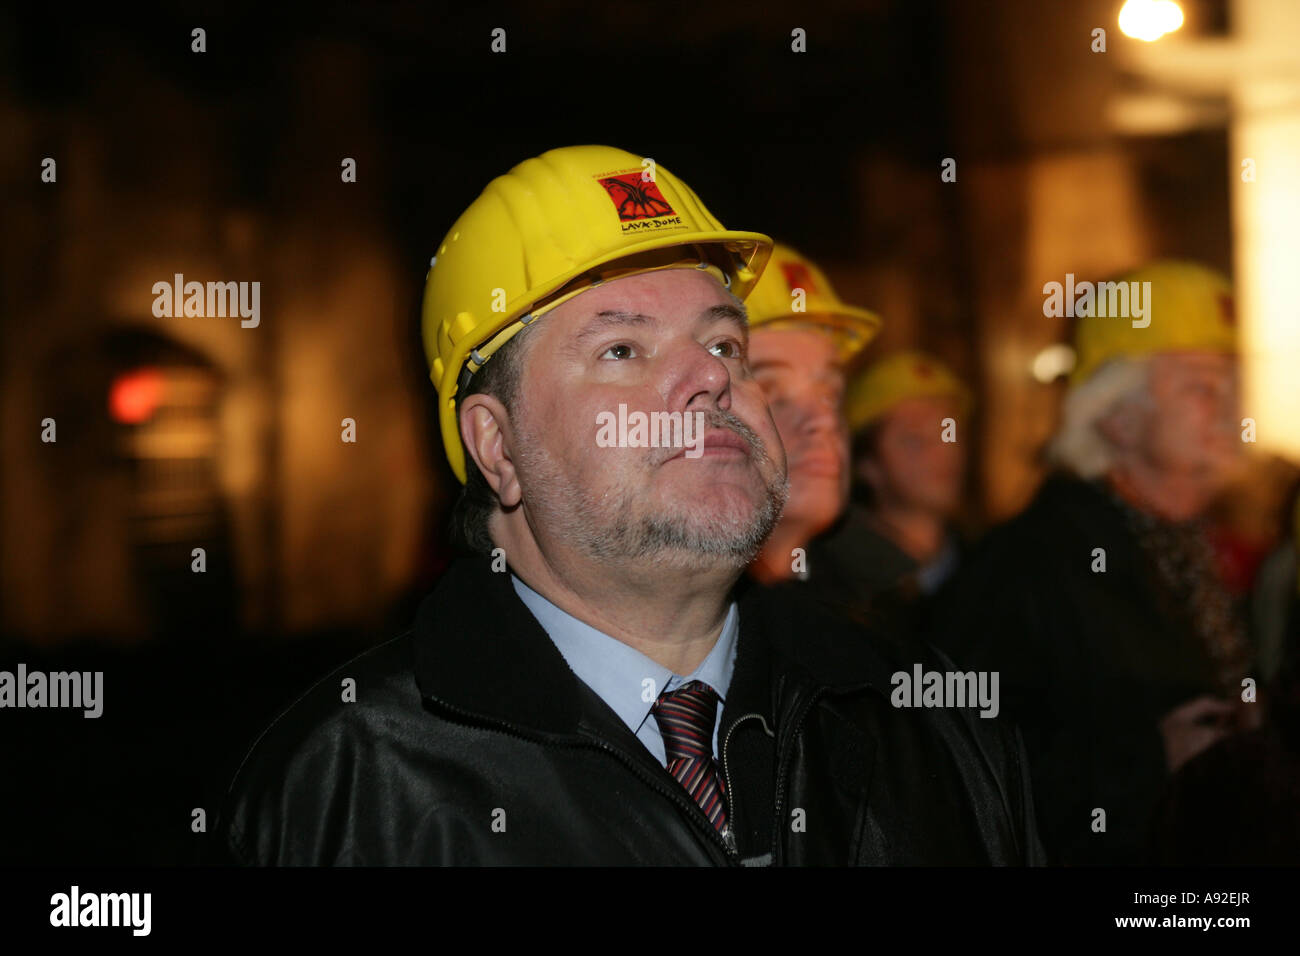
[(804, 384), (1193, 421), (913, 467), (666, 341)]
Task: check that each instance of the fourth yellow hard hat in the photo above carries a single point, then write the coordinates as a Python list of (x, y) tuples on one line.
[(549, 229), (1189, 308)]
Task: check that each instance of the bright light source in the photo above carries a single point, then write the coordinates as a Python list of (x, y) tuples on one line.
[(1053, 362), (1266, 226), (1149, 20), (134, 396)]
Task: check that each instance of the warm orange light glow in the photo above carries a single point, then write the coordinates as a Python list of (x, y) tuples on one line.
[(134, 396)]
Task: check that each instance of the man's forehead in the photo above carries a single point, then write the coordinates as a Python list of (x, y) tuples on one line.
[(793, 345), (1196, 361), (665, 294), (923, 408)]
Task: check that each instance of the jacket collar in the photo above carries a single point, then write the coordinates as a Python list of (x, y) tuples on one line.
[(478, 650)]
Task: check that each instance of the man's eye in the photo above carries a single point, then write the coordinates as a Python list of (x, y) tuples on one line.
[(620, 351), (731, 348)]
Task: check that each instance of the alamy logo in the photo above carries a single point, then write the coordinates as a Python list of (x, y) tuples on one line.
[(651, 430), (74, 689), (923, 688), (1124, 300), (213, 299), (102, 909)]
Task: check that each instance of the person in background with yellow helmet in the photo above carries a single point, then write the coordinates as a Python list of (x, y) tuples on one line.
[(803, 342), (584, 688), (1121, 654), (907, 413)]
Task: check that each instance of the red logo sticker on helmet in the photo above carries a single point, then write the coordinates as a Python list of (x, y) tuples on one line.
[(797, 276), (635, 198), (1227, 309)]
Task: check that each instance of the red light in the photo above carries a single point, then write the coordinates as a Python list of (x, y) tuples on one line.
[(134, 396)]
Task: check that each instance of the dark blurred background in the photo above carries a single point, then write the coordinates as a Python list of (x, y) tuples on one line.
[(176, 433)]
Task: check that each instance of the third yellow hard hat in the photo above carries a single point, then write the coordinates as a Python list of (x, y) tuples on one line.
[(902, 375), (794, 291), (549, 229)]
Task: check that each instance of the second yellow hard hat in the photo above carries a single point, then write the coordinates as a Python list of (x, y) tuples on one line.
[(794, 291)]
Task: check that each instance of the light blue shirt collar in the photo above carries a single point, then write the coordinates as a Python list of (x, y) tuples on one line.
[(940, 568), (624, 678)]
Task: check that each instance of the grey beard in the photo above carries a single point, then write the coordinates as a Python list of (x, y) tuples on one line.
[(669, 541), (679, 544)]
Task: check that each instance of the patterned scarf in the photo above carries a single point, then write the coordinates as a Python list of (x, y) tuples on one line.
[(1183, 560)]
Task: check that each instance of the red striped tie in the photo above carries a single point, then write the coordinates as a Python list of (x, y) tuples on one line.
[(685, 718)]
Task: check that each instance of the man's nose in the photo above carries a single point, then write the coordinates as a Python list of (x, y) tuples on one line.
[(1229, 404), (696, 377), (819, 410)]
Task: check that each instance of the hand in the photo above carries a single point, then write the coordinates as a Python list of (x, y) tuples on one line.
[(1191, 727)]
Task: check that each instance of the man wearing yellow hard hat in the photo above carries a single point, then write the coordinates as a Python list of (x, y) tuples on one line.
[(804, 341), (908, 413), (1121, 653), (584, 688)]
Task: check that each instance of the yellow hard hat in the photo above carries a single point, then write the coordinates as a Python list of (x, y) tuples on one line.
[(549, 229), (902, 375), (773, 301), (1190, 308)]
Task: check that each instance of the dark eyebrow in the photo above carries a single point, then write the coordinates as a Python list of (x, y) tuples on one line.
[(726, 312), (827, 376), (611, 318), (615, 318), (770, 363)]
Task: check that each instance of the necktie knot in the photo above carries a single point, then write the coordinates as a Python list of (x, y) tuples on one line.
[(686, 717)]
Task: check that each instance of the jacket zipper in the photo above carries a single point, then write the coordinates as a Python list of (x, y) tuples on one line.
[(726, 770), (726, 741), (778, 819), (691, 809)]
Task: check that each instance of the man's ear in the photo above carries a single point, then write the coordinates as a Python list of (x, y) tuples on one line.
[(485, 432)]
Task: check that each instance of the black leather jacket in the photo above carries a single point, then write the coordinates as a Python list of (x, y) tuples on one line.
[(471, 742)]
